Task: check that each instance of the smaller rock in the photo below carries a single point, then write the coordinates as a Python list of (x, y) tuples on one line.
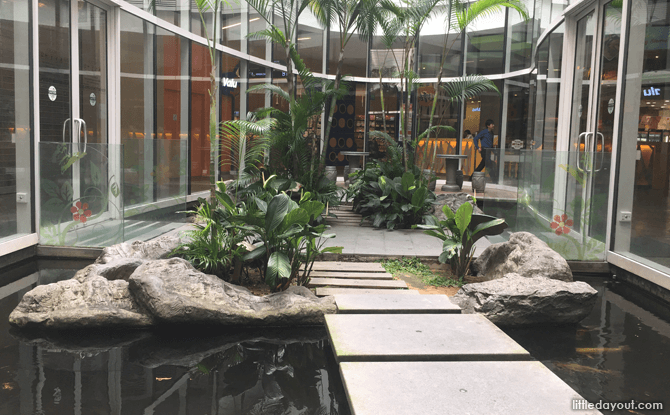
[(71, 304), (514, 300), (454, 201), (159, 248), (524, 254), (116, 269)]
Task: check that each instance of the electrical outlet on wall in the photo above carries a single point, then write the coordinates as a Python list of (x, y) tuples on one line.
[(625, 216)]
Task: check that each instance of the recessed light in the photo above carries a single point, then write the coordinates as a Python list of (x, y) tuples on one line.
[(648, 102)]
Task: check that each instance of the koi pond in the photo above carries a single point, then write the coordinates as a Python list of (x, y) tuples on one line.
[(619, 353)]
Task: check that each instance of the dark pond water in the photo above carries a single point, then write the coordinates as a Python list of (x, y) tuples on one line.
[(233, 372), (619, 353)]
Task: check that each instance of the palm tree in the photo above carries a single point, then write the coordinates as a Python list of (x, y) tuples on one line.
[(461, 15), (351, 16)]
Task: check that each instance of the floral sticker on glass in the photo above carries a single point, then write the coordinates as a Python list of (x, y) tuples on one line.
[(80, 212), (560, 224)]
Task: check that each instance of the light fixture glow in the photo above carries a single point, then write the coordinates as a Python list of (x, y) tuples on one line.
[(238, 24), (304, 38)]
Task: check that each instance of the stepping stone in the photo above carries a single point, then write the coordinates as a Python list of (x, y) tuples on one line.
[(324, 291), (419, 337), (475, 388), (348, 283), (394, 304), (355, 275), (348, 266)]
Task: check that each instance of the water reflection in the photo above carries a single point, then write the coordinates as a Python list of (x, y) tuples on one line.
[(618, 353), (179, 372)]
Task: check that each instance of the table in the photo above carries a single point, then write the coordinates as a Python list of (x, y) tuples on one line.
[(451, 165), (354, 162)]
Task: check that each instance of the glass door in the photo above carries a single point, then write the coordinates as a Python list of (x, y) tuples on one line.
[(76, 189), (594, 72)]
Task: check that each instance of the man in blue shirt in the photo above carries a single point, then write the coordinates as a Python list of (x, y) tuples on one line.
[(486, 138)]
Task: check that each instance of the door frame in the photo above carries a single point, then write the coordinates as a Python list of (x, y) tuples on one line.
[(571, 16)]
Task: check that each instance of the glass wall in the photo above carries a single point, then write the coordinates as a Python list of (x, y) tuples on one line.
[(645, 139), (485, 45), (432, 46), (15, 109), (232, 83), (355, 54), (173, 11), (310, 41), (521, 38), (137, 108), (231, 25), (201, 68), (256, 47)]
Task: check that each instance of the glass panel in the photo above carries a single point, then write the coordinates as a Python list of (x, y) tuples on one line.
[(137, 108), (431, 47), (256, 47), (200, 100), (257, 75), (446, 114), (521, 42), (54, 39), (278, 52), (230, 93), (94, 217), (539, 193), (386, 60), (355, 55), (644, 186), (196, 21), (310, 41), (377, 118), (15, 111), (477, 111), (231, 32), (173, 11), (582, 82), (93, 72), (485, 45), (171, 108)]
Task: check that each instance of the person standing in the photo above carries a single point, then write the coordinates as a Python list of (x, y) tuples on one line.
[(485, 138)]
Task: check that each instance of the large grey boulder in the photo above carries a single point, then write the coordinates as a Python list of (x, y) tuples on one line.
[(69, 304), (524, 254), (158, 248), (176, 293), (521, 301), (454, 201), (115, 269)]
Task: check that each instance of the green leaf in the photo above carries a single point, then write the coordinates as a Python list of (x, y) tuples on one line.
[(407, 181), (50, 187), (276, 212), (279, 267), (67, 193), (448, 212), (444, 257), (486, 225), (225, 200), (333, 249), (419, 197), (255, 254), (463, 217), (262, 205), (406, 207), (313, 208)]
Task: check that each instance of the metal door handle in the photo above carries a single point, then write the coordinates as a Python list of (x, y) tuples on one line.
[(82, 124), (579, 140), (602, 150)]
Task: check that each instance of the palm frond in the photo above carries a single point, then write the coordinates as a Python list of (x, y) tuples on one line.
[(265, 8), (485, 8), (271, 35), (467, 87), (271, 89)]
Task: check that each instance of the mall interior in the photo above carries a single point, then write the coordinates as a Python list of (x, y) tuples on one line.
[(105, 112)]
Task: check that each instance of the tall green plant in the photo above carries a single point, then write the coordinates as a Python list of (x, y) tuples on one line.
[(460, 16), (350, 16)]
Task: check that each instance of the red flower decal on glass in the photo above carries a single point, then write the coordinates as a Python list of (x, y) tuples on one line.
[(560, 224), (80, 212)]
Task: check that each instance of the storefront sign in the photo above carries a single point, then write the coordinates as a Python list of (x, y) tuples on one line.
[(478, 109), (228, 83), (92, 99), (651, 92), (517, 144)]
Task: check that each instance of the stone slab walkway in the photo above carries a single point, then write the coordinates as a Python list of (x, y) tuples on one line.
[(419, 337), (439, 388), (351, 283), (378, 303), (323, 291), (354, 275)]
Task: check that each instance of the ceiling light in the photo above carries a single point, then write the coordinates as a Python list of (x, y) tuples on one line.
[(232, 25), (304, 38), (254, 19), (648, 102)]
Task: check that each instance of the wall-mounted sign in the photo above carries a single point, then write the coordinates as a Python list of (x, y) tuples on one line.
[(228, 83), (651, 92), (52, 93), (478, 109), (92, 99), (610, 106), (517, 144)]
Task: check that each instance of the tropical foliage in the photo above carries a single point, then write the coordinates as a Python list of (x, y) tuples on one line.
[(458, 244)]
